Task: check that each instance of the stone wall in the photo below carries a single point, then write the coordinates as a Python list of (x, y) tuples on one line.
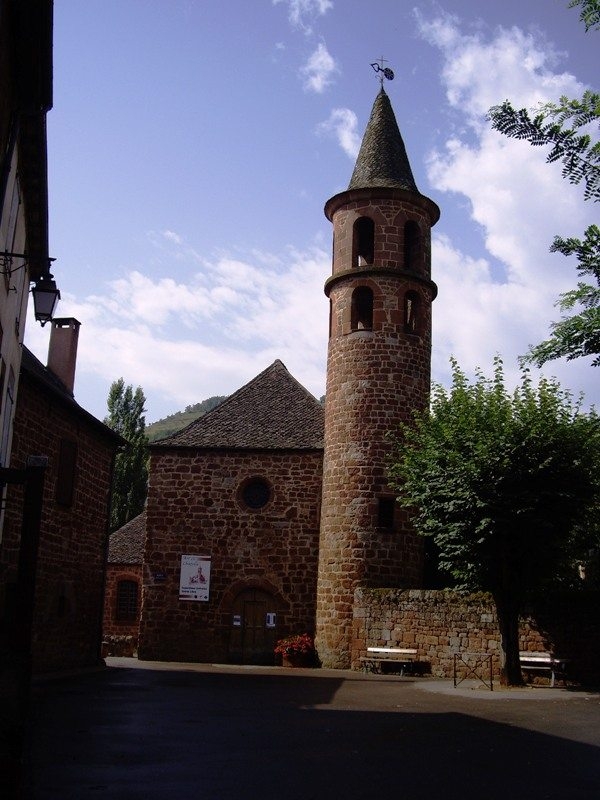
[(441, 623), (73, 536), (195, 507)]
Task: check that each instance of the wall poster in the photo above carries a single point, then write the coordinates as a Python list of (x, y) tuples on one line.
[(194, 578)]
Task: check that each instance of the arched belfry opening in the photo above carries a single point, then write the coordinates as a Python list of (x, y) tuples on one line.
[(361, 316), (363, 242), (412, 246)]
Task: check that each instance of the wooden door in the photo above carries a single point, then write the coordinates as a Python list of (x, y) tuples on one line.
[(253, 631)]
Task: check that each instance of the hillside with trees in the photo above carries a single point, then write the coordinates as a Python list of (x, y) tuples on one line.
[(175, 422)]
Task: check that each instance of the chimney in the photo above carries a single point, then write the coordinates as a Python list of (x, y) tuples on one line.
[(62, 352)]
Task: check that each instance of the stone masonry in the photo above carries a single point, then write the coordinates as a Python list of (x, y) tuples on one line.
[(73, 541), (440, 623), (194, 507)]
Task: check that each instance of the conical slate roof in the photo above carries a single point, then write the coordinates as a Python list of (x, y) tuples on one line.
[(271, 412), (382, 159)]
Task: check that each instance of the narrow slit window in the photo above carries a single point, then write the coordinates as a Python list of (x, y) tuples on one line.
[(362, 309), (412, 312), (364, 242), (385, 513)]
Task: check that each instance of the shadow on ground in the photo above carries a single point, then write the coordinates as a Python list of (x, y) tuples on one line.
[(159, 734)]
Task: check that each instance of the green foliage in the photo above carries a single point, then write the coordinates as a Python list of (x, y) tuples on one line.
[(504, 483), (499, 479), (579, 154), (126, 416), (175, 422), (579, 334), (590, 13)]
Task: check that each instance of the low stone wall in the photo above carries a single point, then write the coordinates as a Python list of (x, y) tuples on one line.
[(441, 623)]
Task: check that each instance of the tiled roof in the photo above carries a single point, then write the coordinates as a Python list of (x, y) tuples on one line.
[(126, 545), (271, 412), (382, 159)]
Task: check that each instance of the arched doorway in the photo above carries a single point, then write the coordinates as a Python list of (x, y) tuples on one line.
[(253, 628)]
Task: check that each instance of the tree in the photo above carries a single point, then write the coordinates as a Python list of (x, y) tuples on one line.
[(502, 483), (565, 127), (126, 416), (577, 335)]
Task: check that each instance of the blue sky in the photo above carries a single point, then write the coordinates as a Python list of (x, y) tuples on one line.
[(193, 144)]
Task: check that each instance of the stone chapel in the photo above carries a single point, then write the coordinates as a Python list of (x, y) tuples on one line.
[(265, 515)]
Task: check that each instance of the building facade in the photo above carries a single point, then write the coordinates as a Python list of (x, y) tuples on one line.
[(232, 527), (277, 509), (70, 556)]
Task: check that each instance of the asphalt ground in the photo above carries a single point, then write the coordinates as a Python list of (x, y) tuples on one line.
[(146, 730)]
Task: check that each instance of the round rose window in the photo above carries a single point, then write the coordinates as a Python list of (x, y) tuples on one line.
[(256, 493)]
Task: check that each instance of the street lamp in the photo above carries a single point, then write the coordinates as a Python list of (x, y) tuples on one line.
[(45, 293), (45, 297)]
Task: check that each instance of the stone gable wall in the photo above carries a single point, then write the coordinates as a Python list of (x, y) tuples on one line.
[(194, 507), (73, 539), (441, 623)]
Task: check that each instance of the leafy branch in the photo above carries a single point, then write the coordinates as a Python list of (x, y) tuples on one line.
[(580, 156)]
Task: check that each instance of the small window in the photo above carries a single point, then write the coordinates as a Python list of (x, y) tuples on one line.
[(385, 513), (412, 312), (362, 309), (65, 479), (363, 242), (412, 246), (256, 493), (127, 600)]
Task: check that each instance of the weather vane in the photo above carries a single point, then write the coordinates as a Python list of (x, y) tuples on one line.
[(384, 72)]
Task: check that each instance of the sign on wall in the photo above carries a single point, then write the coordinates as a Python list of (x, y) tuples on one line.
[(194, 578)]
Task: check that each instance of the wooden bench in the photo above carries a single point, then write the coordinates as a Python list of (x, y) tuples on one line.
[(543, 661), (377, 656)]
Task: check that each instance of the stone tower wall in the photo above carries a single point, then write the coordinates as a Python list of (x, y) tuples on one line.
[(376, 378)]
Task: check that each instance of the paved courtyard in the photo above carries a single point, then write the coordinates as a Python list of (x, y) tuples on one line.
[(140, 731)]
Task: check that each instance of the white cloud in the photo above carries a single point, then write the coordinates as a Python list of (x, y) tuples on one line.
[(505, 301), (319, 70), (342, 124), (238, 316), (480, 73), (171, 236), (301, 11)]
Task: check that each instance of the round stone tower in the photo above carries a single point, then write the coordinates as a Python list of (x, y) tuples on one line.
[(378, 373)]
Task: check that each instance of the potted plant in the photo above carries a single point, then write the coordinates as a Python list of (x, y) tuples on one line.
[(297, 650)]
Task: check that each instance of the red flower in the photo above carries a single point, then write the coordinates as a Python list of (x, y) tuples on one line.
[(300, 644)]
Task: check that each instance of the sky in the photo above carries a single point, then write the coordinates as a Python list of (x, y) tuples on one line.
[(193, 144)]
